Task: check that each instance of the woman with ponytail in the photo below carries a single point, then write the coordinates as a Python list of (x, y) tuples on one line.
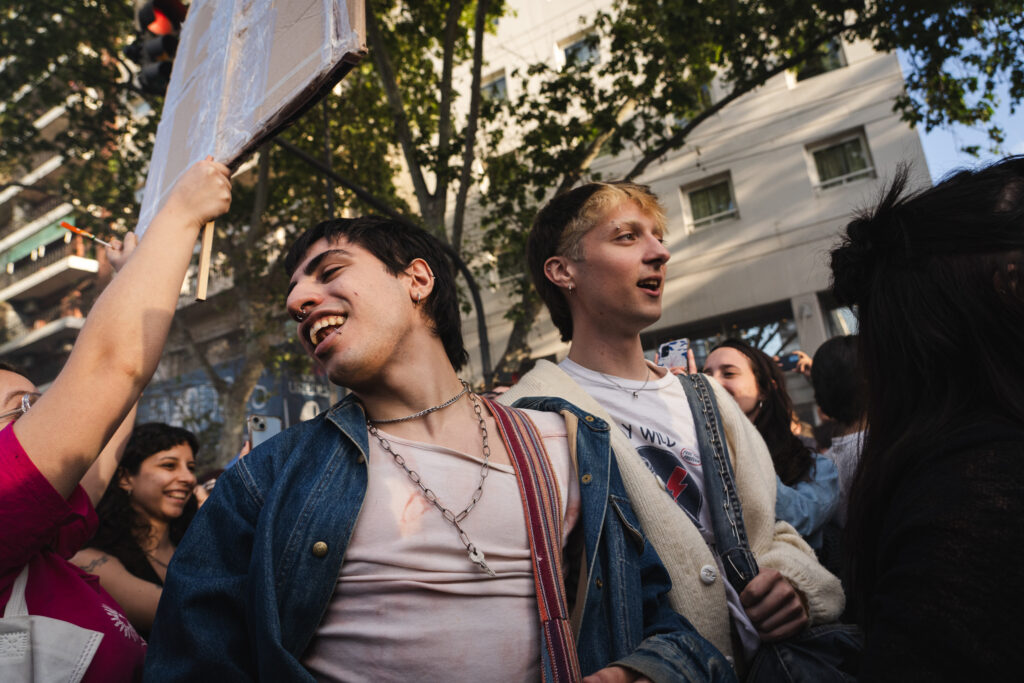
[(934, 532)]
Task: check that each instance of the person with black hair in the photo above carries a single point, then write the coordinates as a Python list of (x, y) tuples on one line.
[(934, 532), (416, 531), (143, 515), (840, 392), (807, 484)]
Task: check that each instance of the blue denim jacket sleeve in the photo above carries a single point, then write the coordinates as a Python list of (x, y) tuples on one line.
[(808, 505), (199, 632)]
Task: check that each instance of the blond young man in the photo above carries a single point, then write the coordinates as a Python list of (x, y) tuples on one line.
[(597, 257)]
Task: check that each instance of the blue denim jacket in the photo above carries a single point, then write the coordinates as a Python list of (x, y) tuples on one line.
[(252, 579), (808, 505)]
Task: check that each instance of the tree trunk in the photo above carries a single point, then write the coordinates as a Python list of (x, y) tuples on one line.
[(517, 350), (234, 404)]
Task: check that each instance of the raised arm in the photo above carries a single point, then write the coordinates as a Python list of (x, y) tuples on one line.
[(118, 348), (102, 471)]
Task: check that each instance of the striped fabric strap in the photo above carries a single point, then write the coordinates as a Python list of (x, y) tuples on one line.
[(542, 509)]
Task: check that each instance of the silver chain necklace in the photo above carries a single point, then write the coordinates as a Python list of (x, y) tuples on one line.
[(476, 555), (428, 411), (635, 392)]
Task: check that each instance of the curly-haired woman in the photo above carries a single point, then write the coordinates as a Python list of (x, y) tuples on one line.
[(143, 515)]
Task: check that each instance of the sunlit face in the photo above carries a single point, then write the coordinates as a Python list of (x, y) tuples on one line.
[(354, 313), (619, 282), (164, 483), (12, 387), (732, 369)]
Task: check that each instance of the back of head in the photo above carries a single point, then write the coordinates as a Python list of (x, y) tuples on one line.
[(792, 459), (839, 387), (936, 279), (397, 245), (560, 226)]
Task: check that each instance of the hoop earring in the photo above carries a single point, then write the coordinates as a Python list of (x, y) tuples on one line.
[(419, 295), (572, 288)]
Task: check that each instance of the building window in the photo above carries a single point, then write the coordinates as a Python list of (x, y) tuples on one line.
[(581, 50), (828, 57), (711, 203), (495, 87), (842, 161)]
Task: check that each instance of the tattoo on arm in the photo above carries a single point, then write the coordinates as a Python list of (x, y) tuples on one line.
[(95, 563)]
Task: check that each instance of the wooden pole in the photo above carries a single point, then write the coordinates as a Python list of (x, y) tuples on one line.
[(204, 262)]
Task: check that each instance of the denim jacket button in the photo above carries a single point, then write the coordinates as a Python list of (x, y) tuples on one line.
[(599, 583), (586, 478), (319, 549), (589, 418), (708, 574)]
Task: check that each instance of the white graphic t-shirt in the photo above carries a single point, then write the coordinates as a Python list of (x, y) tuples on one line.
[(659, 425), (661, 433)]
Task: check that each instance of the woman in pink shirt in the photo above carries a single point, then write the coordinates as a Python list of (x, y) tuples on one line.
[(49, 442)]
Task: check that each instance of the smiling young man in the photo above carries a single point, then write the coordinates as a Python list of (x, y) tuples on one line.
[(389, 539), (597, 257)]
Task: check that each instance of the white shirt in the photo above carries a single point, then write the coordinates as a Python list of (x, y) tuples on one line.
[(659, 425)]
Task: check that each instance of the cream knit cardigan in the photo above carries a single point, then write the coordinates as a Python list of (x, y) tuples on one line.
[(680, 545)]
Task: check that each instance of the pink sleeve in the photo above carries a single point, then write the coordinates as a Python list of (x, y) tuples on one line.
[(33, 514)]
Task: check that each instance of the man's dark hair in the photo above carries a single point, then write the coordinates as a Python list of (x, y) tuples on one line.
[(839, 387), (560, 226), (397, 245)]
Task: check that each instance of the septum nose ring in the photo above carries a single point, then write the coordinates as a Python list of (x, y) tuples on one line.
[(302, 314)]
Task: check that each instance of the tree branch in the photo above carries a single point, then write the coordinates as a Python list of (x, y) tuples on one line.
[(386, 73), (677, 139), (359, 191), (259, 202), (594, 149), (469, 151), (444, 120), (219, 385)]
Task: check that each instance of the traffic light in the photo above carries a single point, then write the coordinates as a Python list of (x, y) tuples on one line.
[(157, 25)]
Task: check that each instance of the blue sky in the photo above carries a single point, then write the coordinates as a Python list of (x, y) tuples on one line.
[(942, 145)]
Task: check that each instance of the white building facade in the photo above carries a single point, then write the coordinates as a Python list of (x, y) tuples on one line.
[(756, 198)]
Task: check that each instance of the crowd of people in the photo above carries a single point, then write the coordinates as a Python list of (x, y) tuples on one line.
[(605, 519)]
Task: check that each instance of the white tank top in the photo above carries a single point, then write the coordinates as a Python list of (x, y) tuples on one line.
[(409, 604)]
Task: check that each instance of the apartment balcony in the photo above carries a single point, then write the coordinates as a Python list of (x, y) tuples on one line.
[(32, 217), (61, 267), (48, 333)]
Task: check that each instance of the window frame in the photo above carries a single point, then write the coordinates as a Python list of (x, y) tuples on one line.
[(847, 178), (839, 51), (562, 47), (491, 80), (698, 225)]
